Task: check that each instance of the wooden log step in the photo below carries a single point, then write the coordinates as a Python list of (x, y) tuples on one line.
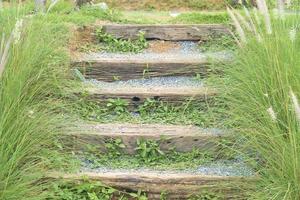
[(128, 67), (167, 32), (177, 185), (182, 138), (137, 95)]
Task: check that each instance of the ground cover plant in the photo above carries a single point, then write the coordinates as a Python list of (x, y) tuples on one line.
[(64, 11), (264, 98), (32, 69), (208, 114), (169, 4), (32, 93), (112, 44)]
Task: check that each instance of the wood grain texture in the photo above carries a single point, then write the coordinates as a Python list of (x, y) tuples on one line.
[(167, 32), (108, 70), (176, 185), (182, 138), (137, 95)]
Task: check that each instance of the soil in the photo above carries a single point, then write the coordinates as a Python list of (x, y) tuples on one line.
[(159, 46)]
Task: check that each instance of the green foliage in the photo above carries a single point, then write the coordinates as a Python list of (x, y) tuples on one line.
[(30, 88), (88, 190), (201, 18), (113, 44), (148, 150), (218, 43), (208, 114), (170, 4), (114, 147), (117, 105), (262, 78), (65, 12), (148, 154), (206, 196)]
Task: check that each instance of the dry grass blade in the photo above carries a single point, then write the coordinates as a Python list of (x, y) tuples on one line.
[(237, 25), (296, 105), (4, 51), (53, 3), (253, 27), (263, 8), (243, 21)]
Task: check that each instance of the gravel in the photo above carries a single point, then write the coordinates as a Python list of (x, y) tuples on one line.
[(226, 168), (235, 168), (151, 82), (187, 51)]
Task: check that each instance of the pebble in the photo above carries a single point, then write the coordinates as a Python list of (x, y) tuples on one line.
[(187, 50), (218, 168), (151, 82)]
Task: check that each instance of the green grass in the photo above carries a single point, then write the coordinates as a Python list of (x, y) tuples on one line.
[(158, 161), (189, 113), (262, 78), (97, 191), (66, 12), (111, 44), (31, 83), (169, 4)]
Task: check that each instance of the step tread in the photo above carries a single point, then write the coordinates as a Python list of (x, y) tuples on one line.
[(137, 94), (156, 91), (178, 185), (182, 138), (153, 57), (172, 32), (185, 61), (127, 129)]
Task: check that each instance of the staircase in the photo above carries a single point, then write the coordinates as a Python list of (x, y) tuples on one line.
[(166, 76)]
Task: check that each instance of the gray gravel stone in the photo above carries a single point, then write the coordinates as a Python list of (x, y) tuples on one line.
[(151, 82), (217, 168), (187, 50)]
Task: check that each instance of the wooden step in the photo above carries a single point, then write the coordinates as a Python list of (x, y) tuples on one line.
[(106, 68), (167, 32), (182, 138), (138, 95), (177, 185)]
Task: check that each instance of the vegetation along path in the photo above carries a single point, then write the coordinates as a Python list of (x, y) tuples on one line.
[(104, 104), (141, 133)]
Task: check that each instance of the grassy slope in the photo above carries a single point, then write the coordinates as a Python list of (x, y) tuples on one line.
[(29, 87), (167, 4), (64, 11)]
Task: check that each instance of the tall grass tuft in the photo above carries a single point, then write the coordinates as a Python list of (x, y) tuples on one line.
[(264, 100), (30, 85)]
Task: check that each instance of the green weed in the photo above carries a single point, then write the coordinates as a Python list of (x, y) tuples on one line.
[(152, 111), (218, 43), (148, 150), (113, 44), (118, 106), (91, 190), (206, 196), (148, 154), (114, 147)]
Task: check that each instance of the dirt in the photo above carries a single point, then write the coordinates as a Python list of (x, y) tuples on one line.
[(162, 46)]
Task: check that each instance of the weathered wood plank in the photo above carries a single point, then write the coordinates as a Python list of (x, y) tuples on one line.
[(137, 95), (176, 185), (109, 70), (182, 138), (167, 32)]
